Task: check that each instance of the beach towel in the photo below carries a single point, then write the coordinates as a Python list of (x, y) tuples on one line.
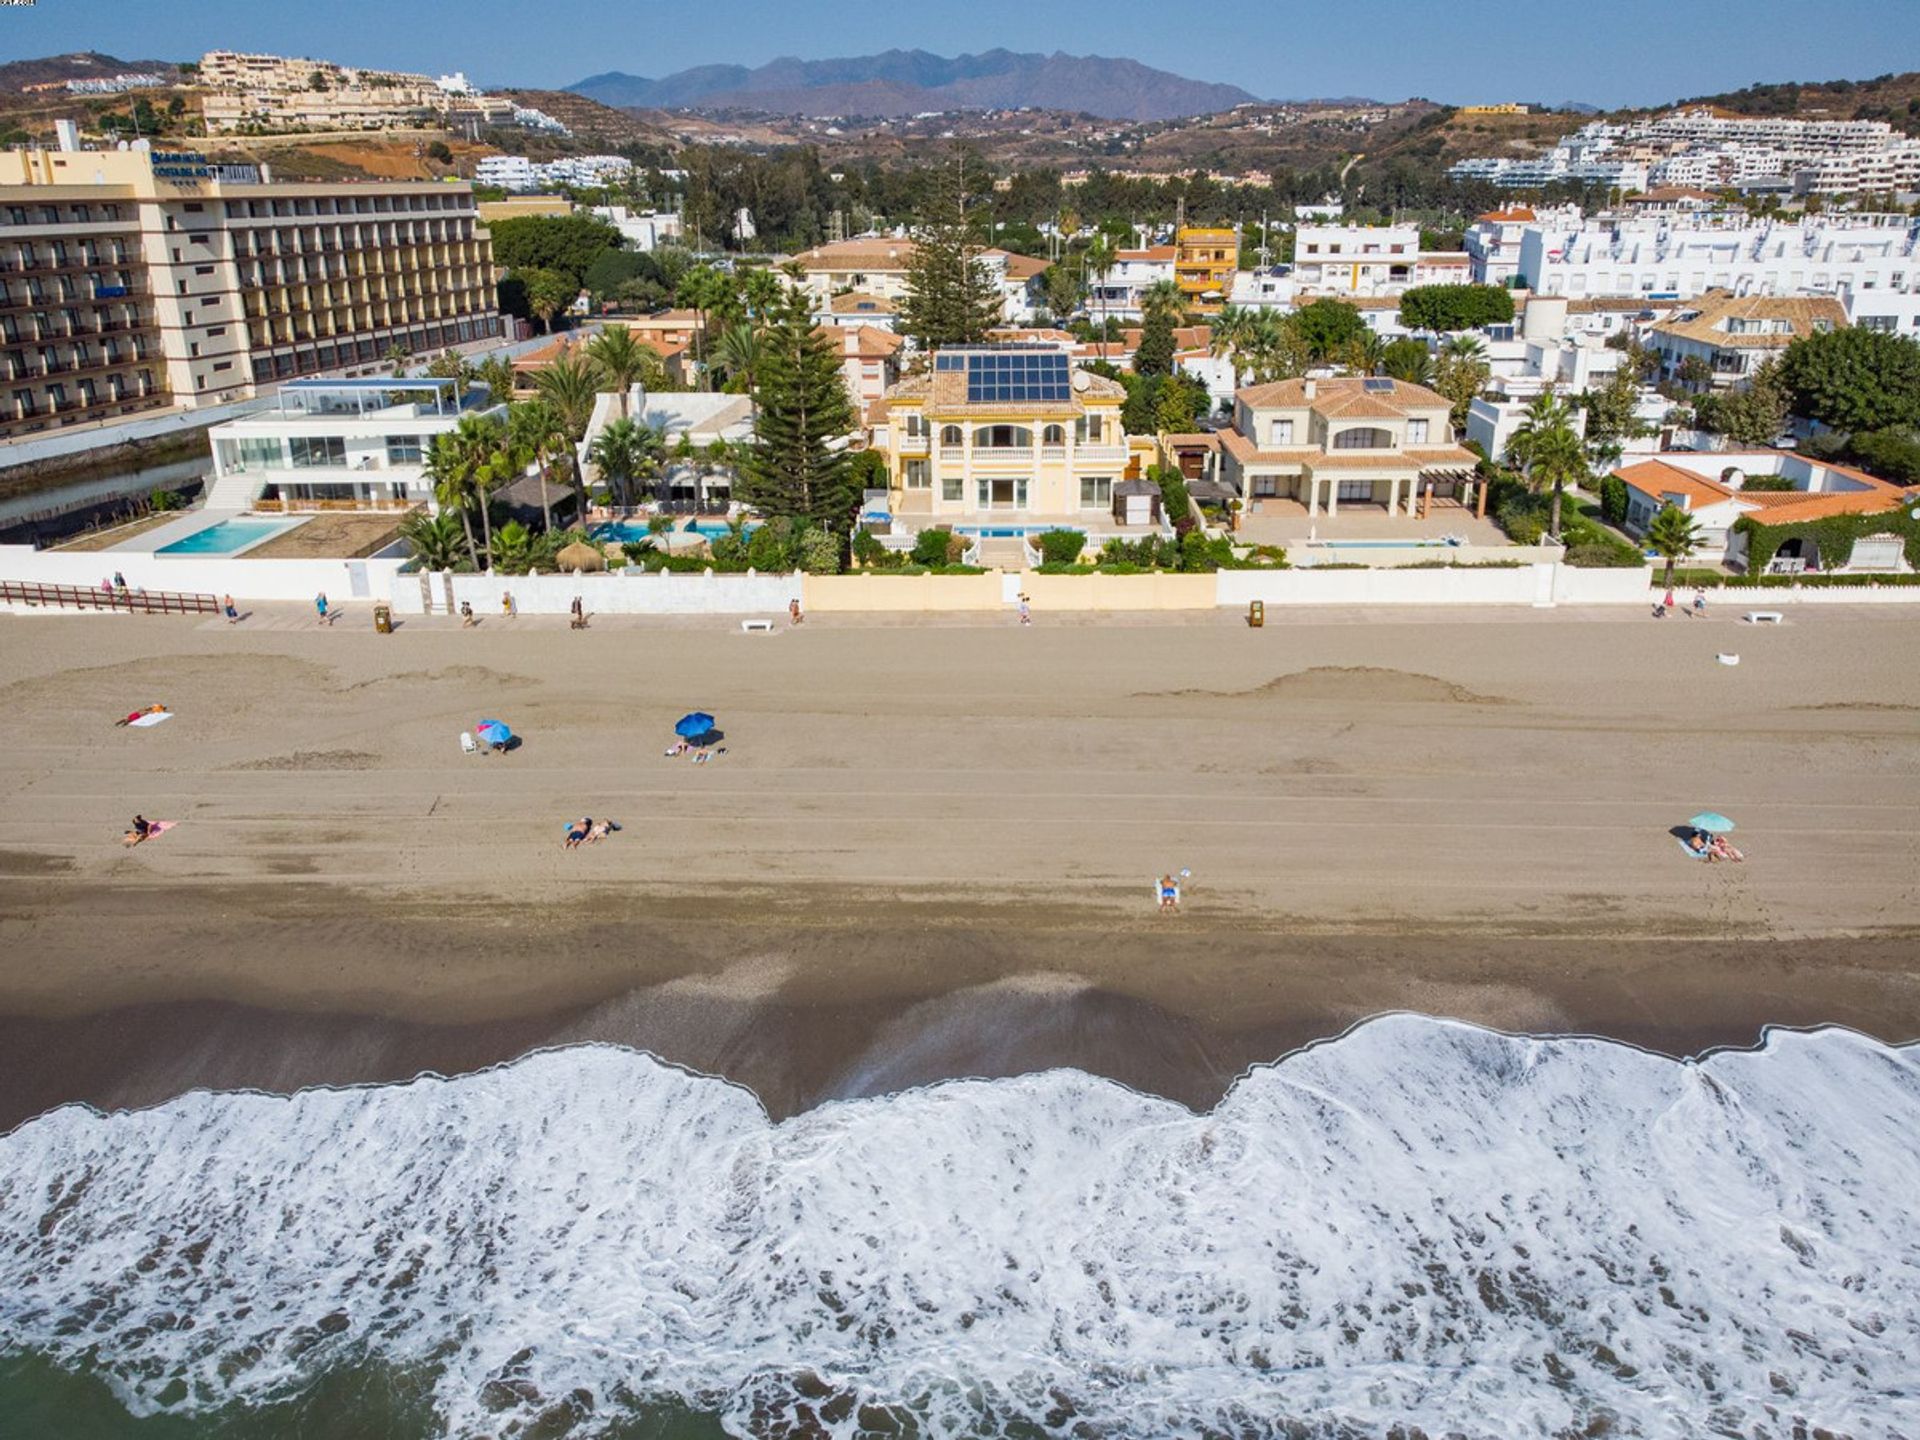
[(1688, 850), (152, 717), (155, 828)]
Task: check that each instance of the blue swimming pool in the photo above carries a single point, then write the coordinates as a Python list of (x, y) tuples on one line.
[(1382, 544), (229, 537), (1006, 532), (628, 532)]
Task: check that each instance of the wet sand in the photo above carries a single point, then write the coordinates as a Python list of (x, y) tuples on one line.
[(928, 849)]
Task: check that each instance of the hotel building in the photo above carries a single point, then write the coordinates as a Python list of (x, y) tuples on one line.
[(132, 279)]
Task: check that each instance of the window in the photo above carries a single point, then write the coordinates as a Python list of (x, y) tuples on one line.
[(203, 269), (918, 474), (952, 489), (951, 437), (1054, 435), (404, 449), (1096, 492), (916, 424), (223, 365), (1363, 438), (1280, 432), (1416, 432), (318, 450), (1002, 437), (1089, 429)]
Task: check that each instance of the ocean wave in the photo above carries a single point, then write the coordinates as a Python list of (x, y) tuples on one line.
[(1420, 1224)]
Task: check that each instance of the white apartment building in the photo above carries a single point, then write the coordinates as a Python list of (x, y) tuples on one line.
[(1115, 293), (1371, 260), (508, 172), (1688, 255), (521, 175), (642, 230), (1268, 289), (355, 443)]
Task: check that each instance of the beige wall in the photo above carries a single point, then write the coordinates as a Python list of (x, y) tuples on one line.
[(874, 592), (1121, 592)]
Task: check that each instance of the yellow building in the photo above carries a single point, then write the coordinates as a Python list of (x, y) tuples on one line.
[(140, 277), (1004, 436), (1204, 260)]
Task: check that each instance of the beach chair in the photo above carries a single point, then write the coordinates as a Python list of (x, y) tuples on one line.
[(468, 745)]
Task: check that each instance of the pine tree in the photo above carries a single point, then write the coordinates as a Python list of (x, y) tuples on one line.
[(794, 467), (951, 299), (1155, 353)]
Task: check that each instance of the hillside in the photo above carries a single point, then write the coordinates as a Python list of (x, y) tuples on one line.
[(907, 82), (79, 65), (1893, 98), (590, 120)]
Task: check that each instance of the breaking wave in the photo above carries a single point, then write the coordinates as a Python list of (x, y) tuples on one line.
[(1420, 1224)]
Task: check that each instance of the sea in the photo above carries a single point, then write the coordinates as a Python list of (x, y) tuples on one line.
[(1420, 1228)]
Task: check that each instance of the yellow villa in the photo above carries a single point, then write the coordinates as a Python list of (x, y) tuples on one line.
[(1004, 436)]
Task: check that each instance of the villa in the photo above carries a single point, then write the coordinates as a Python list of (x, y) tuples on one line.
[(1717, 490), (1003, 434), (1321, 444), (1733, 335), (338, 444)]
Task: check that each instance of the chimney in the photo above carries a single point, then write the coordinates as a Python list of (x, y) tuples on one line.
[(67, 134), (1309, 387)]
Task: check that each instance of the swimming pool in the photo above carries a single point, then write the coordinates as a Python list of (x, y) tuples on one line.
[(1007, 532), (631, 532), (1381, 544), (229, 537)]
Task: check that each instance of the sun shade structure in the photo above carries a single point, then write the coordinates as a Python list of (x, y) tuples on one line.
[(1711, 821), (692, 726), (578, 556), (493, 732)]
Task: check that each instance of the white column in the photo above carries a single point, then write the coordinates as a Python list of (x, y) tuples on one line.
[(1313, 496), (1333, 495)]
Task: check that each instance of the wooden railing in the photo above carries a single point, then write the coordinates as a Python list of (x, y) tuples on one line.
[(86, 597)]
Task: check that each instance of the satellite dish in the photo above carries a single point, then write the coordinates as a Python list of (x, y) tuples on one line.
[(1081, 380)]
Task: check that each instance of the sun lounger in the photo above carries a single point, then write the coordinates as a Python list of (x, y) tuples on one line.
[(750, 625), (468, 745), (1765, 617)]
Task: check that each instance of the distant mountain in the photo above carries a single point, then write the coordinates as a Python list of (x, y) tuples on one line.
[(80, 65), (906, 82)]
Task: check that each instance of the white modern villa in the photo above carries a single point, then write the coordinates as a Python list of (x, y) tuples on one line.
[(338, 444)]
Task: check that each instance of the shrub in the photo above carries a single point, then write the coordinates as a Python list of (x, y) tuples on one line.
[(867, 548), (1061, 547), (938, 547), (820, 553), (1173, 495), (1613, 499), (1603, 555)]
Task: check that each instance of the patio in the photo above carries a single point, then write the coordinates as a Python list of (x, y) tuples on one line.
[(1286, 522)]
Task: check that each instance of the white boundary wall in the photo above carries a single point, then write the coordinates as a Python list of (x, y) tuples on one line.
[(342, 580), (633, 593)]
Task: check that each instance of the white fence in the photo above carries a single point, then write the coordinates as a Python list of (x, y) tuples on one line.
[(342, 580), (632, 592)]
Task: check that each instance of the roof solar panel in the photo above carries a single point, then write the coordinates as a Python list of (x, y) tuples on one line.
[(1015, 374), (1380, 386)]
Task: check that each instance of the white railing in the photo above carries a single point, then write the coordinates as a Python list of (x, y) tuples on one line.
[(953, 454), (995, 455), (913, 444), (1053, 454), (1101, 454)]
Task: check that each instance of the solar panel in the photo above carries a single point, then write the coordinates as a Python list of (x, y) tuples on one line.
[(1380, 387), (950, 361), (1017, 374)]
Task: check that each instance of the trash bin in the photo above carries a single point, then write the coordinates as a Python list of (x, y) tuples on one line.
[(383, 619), (1256, 613)]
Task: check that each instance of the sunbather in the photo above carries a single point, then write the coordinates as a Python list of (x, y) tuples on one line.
[(1720, 848), (601, 830), (1697, 843), (577, 832)]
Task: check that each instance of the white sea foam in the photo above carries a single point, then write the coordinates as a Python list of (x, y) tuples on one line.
[(1420, 1224)]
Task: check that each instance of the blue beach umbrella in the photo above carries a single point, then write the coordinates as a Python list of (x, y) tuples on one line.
[(493, 732), (692, 726), (1711, 821)]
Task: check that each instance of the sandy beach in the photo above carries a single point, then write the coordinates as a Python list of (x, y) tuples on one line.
[(929, 847)]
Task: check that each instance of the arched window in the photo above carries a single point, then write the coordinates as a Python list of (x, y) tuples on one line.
[(1054, 435), (950, 436), (1363, 438), (1002, 437)]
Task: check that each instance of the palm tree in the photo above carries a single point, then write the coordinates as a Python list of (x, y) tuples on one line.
[(463, 466), (1462, 347), (513, 548), (498, 376), (762, 292), (704, 289), (548, 439), (1231, 330), (1163, 297), (1363, 353), (626, 451), (738, 351), (1274, 349), (1673, 535), (570, 387), (1097, 259), (529, 426), (434, 539), (619, 359), (1550, 451)]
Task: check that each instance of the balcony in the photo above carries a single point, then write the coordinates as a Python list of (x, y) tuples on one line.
[(996, 457), (953, 455), (1100, 455)]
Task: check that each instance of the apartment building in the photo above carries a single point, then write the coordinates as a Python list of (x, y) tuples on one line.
[(277, 92), (1353, 441), (1369, 260), (1204, 260), (1117, 291), (144, 277), (1733, 335), (1688, 254), (1001, 434)]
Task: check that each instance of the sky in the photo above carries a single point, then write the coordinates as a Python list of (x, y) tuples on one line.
[(1616, 53)]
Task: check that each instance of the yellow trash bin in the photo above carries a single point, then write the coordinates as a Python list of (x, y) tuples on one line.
[(383, 619), (1256, 613)]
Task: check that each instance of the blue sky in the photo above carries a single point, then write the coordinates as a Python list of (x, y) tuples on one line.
[(1617, 53)]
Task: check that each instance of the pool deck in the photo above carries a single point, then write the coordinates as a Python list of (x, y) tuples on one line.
[(192, 523), (1283, 522)]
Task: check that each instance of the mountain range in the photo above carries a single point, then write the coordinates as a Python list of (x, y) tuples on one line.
[(909, 82)]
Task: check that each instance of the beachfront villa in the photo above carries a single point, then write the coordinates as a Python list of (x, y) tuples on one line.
[(1004, 436), (1717, 489), (1323, 446), (339, 445)]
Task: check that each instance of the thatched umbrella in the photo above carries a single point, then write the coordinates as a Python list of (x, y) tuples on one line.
[(581, 556)]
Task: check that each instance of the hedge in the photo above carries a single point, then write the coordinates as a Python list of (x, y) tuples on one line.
[(1714, 580), (1833, 534)]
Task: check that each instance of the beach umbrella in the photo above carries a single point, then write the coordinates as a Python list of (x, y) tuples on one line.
[(697, 724), (493, 732), (1711, 821)]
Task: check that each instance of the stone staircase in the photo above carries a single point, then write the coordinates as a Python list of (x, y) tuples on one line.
[(233, 492), (1003, 554)]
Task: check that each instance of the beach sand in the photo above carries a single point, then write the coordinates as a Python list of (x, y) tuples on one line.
[(929, 848)]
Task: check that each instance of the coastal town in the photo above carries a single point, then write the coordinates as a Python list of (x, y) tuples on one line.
[(806, 743)]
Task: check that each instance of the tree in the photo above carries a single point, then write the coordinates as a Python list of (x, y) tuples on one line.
[(1407, 359), (548, 293), (1095, 261), (498, 375), (438, 152), (1064, 289), (1673, 535), (1155, 353), (1550, 451), (568, 244), (626, 451), (1611, 416), (705, 290), (435, 540), (738, 353), (1854, 379), (536, 435), (1460, 376), (569, 385), (619, 360), (1173, 408), (950, 299), (1274, 348), (1362, 353), (798, 466), (1755, 414), (1455, 307), (465, 464), (1326, 327)]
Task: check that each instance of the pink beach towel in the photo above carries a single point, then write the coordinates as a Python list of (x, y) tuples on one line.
[(153, 717)]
